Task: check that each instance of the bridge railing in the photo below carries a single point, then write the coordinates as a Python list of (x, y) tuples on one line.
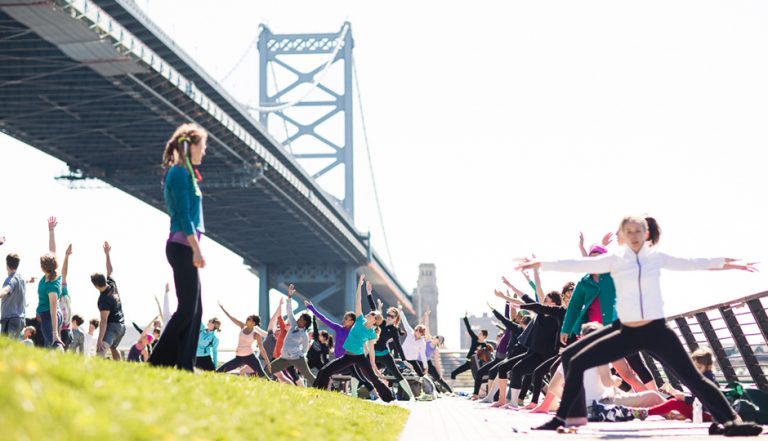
[(737, 333)]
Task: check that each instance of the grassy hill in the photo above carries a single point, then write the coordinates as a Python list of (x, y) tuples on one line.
[(51, 396)]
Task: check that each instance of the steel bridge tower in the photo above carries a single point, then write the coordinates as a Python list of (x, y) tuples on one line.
[(311, 126), (283, 50)]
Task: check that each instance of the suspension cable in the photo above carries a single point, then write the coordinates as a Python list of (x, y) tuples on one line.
[(370, 166)]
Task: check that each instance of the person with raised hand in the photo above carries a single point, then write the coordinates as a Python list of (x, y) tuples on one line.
[(244, 355), (184, 201), (65, 305), (296, 343), (49, 292), (358, 343), (112, 319), (636, 271)]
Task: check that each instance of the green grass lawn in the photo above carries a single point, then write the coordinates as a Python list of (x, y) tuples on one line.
[(51, 396)]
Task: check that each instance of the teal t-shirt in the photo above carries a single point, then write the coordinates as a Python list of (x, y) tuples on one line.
[(358, 335), (45, 287)]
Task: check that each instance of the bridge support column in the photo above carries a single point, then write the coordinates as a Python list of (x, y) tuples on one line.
[(264, 286)]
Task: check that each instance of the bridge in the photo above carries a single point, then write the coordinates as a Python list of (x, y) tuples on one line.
[(97, 85)]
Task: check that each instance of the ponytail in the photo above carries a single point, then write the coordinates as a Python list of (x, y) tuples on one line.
[(177, 151), (654, 230)]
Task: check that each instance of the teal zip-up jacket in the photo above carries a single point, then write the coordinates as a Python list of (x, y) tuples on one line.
[(184, 206), (583, 295), (208, 345)]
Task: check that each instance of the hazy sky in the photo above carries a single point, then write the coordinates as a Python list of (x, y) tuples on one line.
[(496, 131)]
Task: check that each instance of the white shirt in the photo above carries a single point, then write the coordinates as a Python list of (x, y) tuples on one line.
[(89, 344), (412, 348), (245, 343), (637, 277)]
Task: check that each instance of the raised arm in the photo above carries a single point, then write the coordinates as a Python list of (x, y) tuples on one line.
[(537, 281), (403, 320), (336, 327), (472, 334), (237, 322), (107, 249), (166, 313), (149, 326), (291, 292), (65, 265), (52, 223), (425, 321), (315, 332), (511, 286), (358, 296), (509, 324), (369, 290), (581, 245), (273, 319)]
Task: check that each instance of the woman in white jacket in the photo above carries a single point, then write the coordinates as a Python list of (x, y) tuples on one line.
[(415, 348), (636, 270)]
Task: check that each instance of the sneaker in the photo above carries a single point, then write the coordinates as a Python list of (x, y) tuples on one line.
[(733, 428), (424, 397), (640, 414), (553, 424), (716, 429)]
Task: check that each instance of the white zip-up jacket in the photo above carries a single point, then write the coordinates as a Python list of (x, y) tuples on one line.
[(413, 349), (637, 277)]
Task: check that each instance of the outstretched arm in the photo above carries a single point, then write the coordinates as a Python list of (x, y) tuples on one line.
[(472, 334), (65, 265), (107, 249), (273, 319), (52, 223), (369, 290), (263, 353), (358, 296), (237, 322), (291, 292), (403, 320), (512, 287), (537, 281), (581, 245)]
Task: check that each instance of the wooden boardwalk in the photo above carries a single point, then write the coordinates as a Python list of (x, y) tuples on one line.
[(458, 419)]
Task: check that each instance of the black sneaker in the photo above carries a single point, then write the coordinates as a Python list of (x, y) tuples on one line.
[(552, 424), (733, 428), (716, 429)]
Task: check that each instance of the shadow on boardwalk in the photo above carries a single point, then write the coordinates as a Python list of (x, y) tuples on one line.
[(456, 419)]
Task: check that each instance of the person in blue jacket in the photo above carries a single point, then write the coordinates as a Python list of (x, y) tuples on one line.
[(185, 150)]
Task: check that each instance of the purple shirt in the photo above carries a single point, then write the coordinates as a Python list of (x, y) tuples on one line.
[(181, 238), (504, 342), (340, 333)]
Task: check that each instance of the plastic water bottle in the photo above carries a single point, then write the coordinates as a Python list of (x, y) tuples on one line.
[(697, 412)]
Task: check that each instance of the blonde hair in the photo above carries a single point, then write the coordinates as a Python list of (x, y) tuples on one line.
[(396, 312), (176, 150), (634, 220)]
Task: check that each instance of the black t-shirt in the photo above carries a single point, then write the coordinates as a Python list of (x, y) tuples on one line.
[(109, 300), (389, 332)]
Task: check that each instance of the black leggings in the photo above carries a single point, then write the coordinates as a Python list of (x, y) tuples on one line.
[(240, 361), (418, 368), (539, 373), (504, 368), (609, 344), (463, 368), (205, 363), (524, 367), (638, 365), (483, 371), (436, 376), (178, 344), (360, 361), (389, 365)]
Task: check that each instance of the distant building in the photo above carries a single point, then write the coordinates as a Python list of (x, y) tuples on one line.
[(477, 323), (425, 295)]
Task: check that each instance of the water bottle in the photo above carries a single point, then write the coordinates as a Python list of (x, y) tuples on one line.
[(697, 412)]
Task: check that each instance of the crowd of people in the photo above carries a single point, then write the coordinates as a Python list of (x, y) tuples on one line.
[(579, 346)]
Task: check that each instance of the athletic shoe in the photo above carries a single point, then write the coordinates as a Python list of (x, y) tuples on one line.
[(552, 424), (733, 428), (424, 397), (716, 429), (640, 414)]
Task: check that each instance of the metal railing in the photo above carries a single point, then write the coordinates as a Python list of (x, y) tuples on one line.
[(737, 333)]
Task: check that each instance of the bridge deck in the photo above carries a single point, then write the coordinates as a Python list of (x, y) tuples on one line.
[(456, 419)]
